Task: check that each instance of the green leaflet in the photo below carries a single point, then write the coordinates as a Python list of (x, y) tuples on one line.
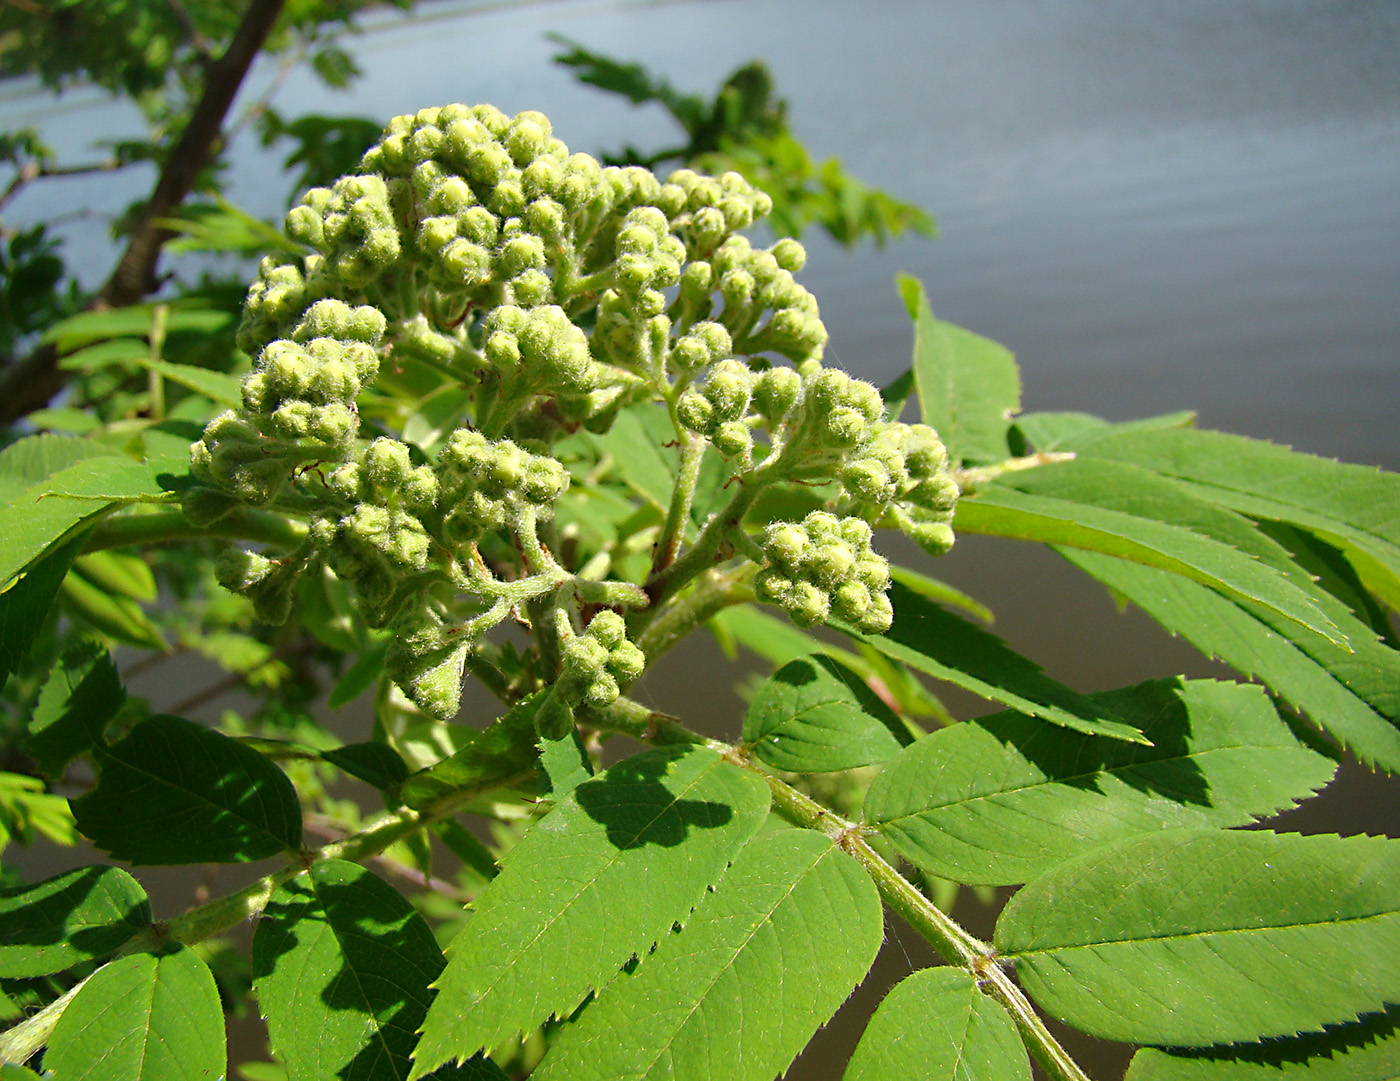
[(1353, 506), (142, 1018), (814, 716), (637, 458), (33, 459), (80, 915), (941, 593), (564, 765), (504, 750), (937, 642), (175, 792), (135, 320), (1355, 696), (118, 618), (937, 1025), (1051, 431), (968, 385), (600, 878), (33, 519), (767, 958), (1198, 937), (126, 575), (25, 605), (218, 387), (373, 762), (82, 694), (342, 964), (1006, 512), (1003, 798), (1368, 1050)]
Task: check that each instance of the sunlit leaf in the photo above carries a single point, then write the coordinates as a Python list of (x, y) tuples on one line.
[(1238, 935), (737, 992), (934, 640), (1004, 798), (601, 877), (937, 1025), (142, 1018), (968, 386), (1368, 1050), (814, 716), (342, 964)]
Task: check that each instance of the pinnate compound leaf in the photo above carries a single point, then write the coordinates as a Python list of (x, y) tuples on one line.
[(734, 996), (934, 640), (814, 716), (1368, 1050), (81, 695), (1005, 512), (600, 878), (26, 603), (1354, 695), (968, 386), (172, 791), (342, 966), (80, 915), (1197, 937), (937, 1026), (1004, 798), (144, 1017)]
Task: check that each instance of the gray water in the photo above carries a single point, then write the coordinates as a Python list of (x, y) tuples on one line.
[(1158, 206)]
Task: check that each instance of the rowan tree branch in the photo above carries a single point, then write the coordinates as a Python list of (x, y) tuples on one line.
[(29, 384)]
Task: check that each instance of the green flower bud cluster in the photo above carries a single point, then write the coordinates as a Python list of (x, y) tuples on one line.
[(753, 282), (487, 485), (594, 668), (298, 404), (822, 567), (540, 350), (382, 538), (426, 657), (550, 293), (599, 662), (717, 411), (901, 479)]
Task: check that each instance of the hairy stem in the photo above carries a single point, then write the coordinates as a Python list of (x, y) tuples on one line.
[(243, 523), (713, 592), (687, 474)]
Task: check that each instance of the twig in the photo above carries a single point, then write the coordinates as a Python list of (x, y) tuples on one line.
[(30, 384)]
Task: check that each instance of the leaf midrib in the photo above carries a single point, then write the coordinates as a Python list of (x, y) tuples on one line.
[(1189, 935)]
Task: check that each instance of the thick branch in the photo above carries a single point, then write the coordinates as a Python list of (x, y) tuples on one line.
[(31, 383)]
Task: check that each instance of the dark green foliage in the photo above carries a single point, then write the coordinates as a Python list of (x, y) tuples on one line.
[(175, 792), (76, 916)]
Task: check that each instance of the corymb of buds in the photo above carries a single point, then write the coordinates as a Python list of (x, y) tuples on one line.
[(823, 567), (900, 478), (717, 410), (486, 485), (298, 404), (594, 668)]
